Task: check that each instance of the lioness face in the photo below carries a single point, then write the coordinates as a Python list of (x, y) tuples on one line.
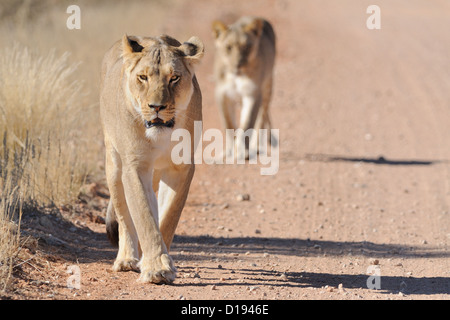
[(159, 76), (237, 45)]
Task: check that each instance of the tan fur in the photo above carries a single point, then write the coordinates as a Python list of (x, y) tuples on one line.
[(245, 56), (144, 78)]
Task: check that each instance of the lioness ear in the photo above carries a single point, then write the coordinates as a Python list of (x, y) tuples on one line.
[(130, 44), (193, 50), (255, 27), (218, 27)]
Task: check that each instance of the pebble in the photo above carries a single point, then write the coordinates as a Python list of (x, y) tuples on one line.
[(375, 262), (243, 197), (99, 220)]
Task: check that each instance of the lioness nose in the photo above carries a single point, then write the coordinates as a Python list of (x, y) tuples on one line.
[(157, 108)]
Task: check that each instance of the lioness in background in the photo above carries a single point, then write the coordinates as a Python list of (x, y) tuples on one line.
[(245, 56), (148, 90)]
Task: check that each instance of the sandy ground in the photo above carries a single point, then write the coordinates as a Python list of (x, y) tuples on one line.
[(363, 184)]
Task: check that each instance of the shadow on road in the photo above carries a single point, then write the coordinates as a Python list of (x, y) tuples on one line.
[(299, 247), (381, 160), (302, 247)]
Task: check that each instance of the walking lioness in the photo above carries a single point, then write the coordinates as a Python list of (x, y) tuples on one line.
[(245, 57), (148, 90)]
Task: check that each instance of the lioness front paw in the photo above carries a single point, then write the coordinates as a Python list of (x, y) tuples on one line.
[(125, 265), (161, 270)]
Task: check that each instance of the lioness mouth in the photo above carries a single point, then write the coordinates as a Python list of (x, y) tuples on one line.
[(157, 122)]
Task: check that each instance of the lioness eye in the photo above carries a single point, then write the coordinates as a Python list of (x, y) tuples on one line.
[(143, 77), (174, 79)]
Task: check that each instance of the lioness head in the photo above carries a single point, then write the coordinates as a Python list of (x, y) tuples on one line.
[(238, 43), (159, 74)]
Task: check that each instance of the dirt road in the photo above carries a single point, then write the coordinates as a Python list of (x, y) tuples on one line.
[(363, 187)]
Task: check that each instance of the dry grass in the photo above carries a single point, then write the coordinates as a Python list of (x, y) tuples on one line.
[(9, 234), (42, 120)]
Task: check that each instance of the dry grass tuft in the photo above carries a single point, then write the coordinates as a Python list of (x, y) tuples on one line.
[(41, 116), (9, 243), (42, 119)]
